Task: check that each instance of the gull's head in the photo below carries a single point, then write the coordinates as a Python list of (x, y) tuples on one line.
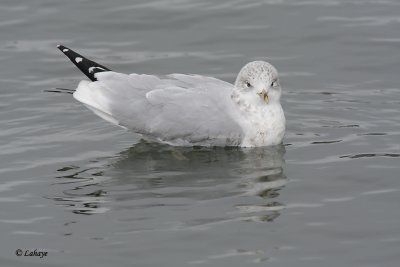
[(257, 84)]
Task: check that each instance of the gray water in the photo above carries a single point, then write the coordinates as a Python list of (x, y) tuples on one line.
[(91, 194)]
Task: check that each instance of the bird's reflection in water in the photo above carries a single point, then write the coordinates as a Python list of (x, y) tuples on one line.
[(150, 175)]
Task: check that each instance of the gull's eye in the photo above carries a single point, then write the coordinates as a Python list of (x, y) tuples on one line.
[(274, 83), (248, 84)]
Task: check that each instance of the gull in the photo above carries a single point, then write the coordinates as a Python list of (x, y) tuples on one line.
[(187, 110)]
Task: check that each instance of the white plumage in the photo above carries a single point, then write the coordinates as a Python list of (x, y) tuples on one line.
[(187, 110)]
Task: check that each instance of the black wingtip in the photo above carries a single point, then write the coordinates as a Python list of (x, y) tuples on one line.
[(88, 67)]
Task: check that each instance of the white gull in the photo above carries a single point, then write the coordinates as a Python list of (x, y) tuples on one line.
[(187, 110)]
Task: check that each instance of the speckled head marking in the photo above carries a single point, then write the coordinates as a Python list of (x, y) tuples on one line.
[(257, 84)]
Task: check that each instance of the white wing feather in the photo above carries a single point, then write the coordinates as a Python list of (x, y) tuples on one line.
[(179, 109)]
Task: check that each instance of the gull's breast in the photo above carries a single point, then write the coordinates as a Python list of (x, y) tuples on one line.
[(265, 128)]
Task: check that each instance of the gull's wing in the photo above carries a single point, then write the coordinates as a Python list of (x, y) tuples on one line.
[(88, 67), (180, 109)]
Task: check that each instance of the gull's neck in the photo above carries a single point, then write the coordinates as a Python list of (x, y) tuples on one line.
[(245, 105), (263, 124)]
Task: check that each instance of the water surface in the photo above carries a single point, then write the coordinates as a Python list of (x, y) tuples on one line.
[(92, 194)]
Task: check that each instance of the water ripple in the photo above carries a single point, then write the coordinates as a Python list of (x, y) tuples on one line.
[(26, 221), (363, 21)]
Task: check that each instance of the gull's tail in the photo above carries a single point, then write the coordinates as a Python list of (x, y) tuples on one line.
[(88, 67)]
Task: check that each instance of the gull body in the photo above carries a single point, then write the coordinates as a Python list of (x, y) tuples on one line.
[(187, 110)]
